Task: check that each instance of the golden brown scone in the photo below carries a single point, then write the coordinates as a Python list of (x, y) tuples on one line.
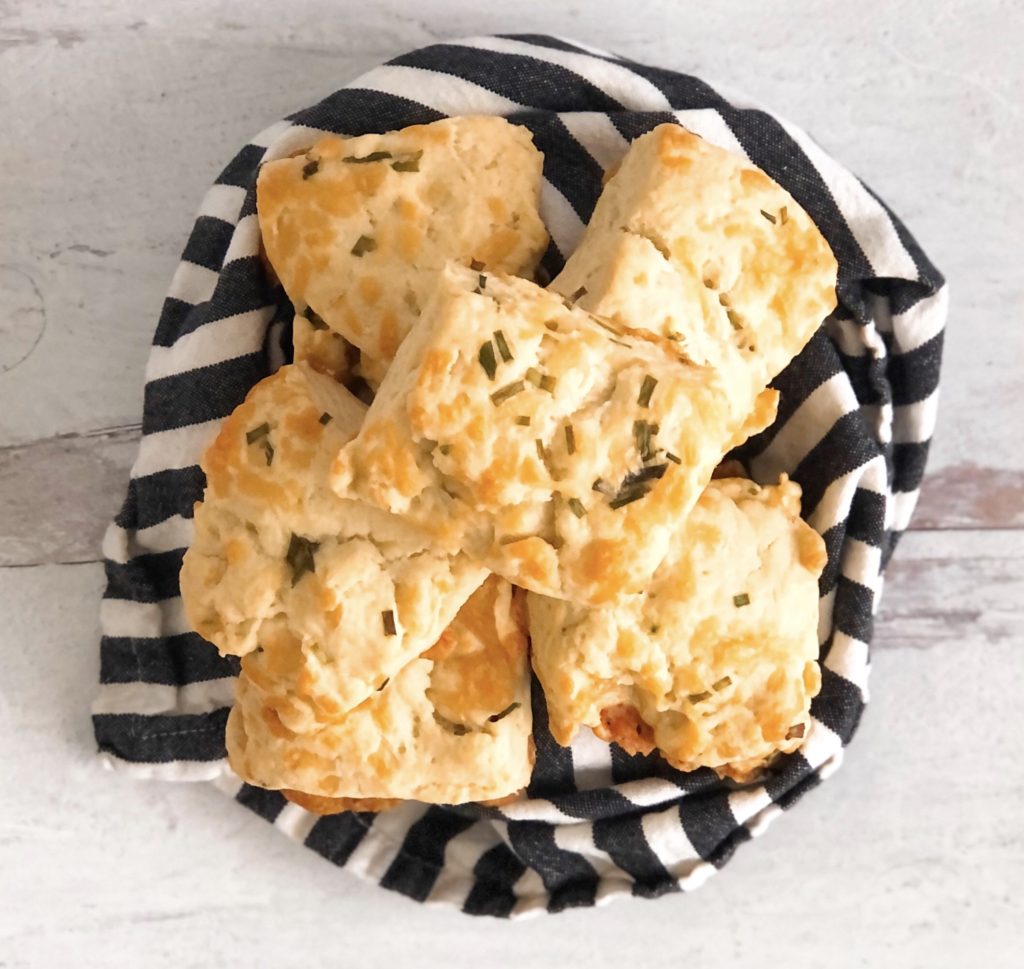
[(556, 449), (325, 351), (357, 228), (452, 726), (340, 805), (715, 663), (333, 594), (700, 246)]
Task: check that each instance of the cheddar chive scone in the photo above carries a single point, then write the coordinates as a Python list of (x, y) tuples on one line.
[(357, 228), (715, 663), (453, 725), (324, 350), (558, 449), (700, 246), (336, 594)]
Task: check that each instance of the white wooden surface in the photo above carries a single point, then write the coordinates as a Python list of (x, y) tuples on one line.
[(115, 116)]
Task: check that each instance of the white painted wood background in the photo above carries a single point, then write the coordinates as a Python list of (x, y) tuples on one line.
[(114, 118)]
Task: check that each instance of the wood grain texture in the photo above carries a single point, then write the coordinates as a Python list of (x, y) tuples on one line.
[(117, 116)]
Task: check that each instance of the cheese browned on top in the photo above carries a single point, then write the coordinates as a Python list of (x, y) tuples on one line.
[(700, 246), (326, 597), (559, 450), (357, 228), (715, 663)]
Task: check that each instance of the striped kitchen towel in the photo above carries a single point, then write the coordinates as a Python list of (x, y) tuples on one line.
[(857, 412)]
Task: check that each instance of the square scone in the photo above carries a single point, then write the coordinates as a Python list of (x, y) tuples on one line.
[(715, 663), (335, 592), (453, 725), (700, 246), (356, 228), (556, 448)]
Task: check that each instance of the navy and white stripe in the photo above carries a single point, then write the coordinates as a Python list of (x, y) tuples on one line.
[(857, 414)]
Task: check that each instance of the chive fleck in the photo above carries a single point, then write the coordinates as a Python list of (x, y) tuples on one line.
[(741, 600), (650, 472), (540, 450), (314, 320), (410, 164), (445, 449), (646, 389), (256, 433), (674, 335), (768, 216), (268, 452), (364, 244), (366, 159), (509, 390), (699, 697), (523, 420), (784, 215), (619, 343), (502, 344), (481, 282), (325, 418), (494, 718), (722, 683), (310, 168), (476, 265), (577, 507), (300, 556), (487, 361), (570, 439), (602, 487), (672, 458), (605, 325), (552, 325), (628, 495), (459, 729), (384, 683), (388, 617), (533, 376), (642, 439), (571, 301), (547, 383), (797, 730)]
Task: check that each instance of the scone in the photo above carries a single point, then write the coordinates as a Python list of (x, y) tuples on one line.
[(452, 726), (336, 593), (715, 664), (557, 449), (326, 351), (357, 228), (700, 246)]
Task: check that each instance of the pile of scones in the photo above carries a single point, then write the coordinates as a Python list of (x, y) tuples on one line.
[(465, 474)]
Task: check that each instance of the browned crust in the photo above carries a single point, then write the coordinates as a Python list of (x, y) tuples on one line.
[(622, 725), (338, 805)]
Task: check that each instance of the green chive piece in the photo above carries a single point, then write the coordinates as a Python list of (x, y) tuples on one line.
[(577, 507), (494, 718), (570, 439), (502, 344), (642, 439), (533, 376), (310, 168), (314, 321), (741, 600), (364, 244), (721, 684), (672, 458), (325, 418), (476, 265), (459, 729), (571, 301), (481, 282), (388, 617), (784, 215), (268, 453), (602, 487), (487, 361), (366, 159), (674, 335), (540, 450), (628, 495), (654, 628), (605, 325), (618, 343), (699, 697), (768, 216), (797, 730), (547, 383), (410, 164), (523, 420), (445, 449), (387, 680), (300, 556), (256, 433), (646, 389), (509, 390)]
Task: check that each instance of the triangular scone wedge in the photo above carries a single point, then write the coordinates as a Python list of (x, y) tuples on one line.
[(356, 228), (698, 245), (452, 726), (715, 664), (336, 592), (557, 449)]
